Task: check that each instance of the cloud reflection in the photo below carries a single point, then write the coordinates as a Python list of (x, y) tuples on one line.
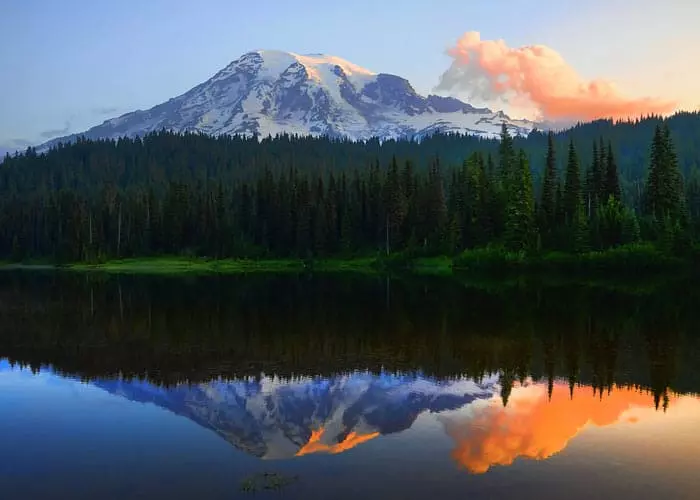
[(533, 427)]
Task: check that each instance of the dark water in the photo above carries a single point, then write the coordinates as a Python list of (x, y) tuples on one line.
[(338, 387)]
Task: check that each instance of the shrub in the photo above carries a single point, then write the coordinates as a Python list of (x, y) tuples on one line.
[(489, 259), (397, 261)]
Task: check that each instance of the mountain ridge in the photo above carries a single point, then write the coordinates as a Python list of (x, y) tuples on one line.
[(271, 92)]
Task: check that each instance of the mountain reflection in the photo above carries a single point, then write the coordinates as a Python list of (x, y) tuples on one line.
[(316, 446), (277, 419), (272, 418)]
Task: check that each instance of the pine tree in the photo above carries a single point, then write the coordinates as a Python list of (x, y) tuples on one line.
[(572, 186), (653, 205), (434, 208), (581, 232), (520, 229), (630, 227), (457, 208), (665, 197), (409, 186), (602, 169), (496, 200), (589, 186), (396, 206), (507, 157), (303, 220), (595, 181), (693, 197), (612, 180), (675, 178), (547, 206), (319, 223), (485, 222), (375, 220)]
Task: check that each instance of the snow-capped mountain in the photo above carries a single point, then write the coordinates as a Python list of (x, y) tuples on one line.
[(268, 92), (271, 418)]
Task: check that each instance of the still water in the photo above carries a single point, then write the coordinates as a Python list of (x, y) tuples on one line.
[(339, 387)]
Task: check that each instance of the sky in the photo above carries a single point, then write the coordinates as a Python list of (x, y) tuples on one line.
[(70, 65)]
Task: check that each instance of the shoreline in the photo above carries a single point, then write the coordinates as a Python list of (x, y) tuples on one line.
[(199, 265), (622, 263)]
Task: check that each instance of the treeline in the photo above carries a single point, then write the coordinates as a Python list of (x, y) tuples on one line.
[(305, 207), (189, 158)]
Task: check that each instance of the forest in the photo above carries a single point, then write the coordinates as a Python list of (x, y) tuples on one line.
[(594, 187)]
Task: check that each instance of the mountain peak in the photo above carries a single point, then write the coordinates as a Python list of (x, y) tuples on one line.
[(269, 92), (319, 67), (315, 59)]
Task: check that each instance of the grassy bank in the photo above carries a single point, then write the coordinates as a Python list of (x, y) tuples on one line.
[(633, 260), (183, 265)]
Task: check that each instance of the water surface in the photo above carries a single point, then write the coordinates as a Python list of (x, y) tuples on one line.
[(338, 387)]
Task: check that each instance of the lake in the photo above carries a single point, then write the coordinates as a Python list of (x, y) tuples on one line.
[(265, 386)]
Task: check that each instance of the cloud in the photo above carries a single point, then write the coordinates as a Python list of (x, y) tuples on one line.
[(533, 427), (538, 77), (105, 111), (48, 134)]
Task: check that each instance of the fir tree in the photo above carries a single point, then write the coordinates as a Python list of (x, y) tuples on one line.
[(665, 198), (434, 208), (572, 185), (547, 206), (612, 180), (520, 209), (581, 232), (396, 206), (507, 156)]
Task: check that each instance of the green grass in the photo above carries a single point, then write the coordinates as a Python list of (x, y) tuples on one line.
[(365, 265), (492, 262), (181, 265), (629, 259), (433, 265)]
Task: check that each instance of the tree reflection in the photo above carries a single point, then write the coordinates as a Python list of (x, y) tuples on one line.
[(169, 330)]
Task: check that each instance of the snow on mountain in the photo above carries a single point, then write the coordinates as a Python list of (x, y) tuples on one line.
[(268, 92), (272, 418)]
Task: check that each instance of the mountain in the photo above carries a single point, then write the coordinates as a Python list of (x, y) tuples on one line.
[(272, 418), (272, 92)]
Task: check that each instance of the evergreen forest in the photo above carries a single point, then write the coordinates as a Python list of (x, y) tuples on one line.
[(594, 187)]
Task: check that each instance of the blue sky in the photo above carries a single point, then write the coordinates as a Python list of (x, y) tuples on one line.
[(70, 64)]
